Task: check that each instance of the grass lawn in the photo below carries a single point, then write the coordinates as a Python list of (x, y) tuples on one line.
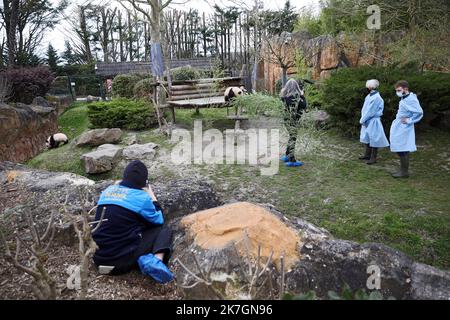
[(333, 189)]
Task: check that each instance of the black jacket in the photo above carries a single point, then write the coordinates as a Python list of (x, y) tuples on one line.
[(294, 107)]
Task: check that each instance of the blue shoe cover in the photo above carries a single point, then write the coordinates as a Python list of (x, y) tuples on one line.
[(294, 164), (155, 268), (284, 158)]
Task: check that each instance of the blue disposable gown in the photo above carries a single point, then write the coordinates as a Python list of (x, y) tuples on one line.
[(372, 131), (402, 135)]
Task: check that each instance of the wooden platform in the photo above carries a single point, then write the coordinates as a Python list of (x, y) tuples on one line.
[(200, 93), (216, 101)]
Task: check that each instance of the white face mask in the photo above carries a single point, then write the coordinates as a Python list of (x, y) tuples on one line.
[(399, 93)]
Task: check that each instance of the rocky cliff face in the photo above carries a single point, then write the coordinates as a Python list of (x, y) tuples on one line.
[(325, 53), (24, 129)]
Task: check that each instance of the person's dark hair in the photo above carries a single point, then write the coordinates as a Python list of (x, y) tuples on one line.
[(402, 84), (135, 175)]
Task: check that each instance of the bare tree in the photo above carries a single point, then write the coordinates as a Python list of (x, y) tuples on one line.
[(104, 26), (10, 15), (86, 244), (44, 286), (256, 274), (280, 50)]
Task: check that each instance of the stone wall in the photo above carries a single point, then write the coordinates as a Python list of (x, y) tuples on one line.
[(24, 129)]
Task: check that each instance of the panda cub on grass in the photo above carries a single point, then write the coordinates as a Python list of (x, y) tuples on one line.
[(232, 92), (55, 140)]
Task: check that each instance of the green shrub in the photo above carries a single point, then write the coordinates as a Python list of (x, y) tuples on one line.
[(122, 113), (123, 85), (143, 88), (28, 82), (313, 96), (344, 91), (185, 73)]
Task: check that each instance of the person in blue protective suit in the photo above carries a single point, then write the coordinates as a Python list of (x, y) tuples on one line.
[(294, 102), (372, 132), (402, 137), (132, 232)]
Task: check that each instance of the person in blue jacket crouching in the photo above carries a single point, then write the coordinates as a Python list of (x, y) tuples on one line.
[(132, 233)]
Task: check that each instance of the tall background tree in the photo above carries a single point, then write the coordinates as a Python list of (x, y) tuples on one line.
[(52, 58), (25, 25)]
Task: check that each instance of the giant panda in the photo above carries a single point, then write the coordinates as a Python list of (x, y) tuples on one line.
[(55, 139), (232, 92)]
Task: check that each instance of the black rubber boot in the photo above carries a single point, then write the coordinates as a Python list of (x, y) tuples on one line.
[(373, 156), (367, 153), (404, 167)]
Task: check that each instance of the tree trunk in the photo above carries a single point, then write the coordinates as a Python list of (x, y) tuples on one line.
[(120, 27), (130, 37), (11, 33), (283, 76), (85, 35)]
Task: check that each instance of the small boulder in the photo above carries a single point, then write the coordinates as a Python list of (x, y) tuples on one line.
[(101, 160), (90, 98), (97, 137), (40, 101), (320, 119), (140, 151)]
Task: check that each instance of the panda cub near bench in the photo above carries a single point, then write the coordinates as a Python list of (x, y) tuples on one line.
[(55, 140), (232, 92)]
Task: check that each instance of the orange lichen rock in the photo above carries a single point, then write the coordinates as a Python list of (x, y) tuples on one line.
[(247, 225), (11, 175)]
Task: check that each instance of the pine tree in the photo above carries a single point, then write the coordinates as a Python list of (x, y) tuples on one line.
[(68, 55), (52, 58)]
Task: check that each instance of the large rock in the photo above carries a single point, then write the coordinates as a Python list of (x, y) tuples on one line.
[(182, 197), (24, 130), (223, 242), (140, 151), (329, 55), (97, 137), (101, 160)]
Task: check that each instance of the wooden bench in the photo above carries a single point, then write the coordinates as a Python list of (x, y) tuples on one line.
[(201, 93)]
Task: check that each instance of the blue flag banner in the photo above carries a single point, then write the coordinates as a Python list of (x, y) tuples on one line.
[(157, 60)]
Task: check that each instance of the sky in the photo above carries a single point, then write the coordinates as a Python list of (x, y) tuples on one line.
[(57, 36)]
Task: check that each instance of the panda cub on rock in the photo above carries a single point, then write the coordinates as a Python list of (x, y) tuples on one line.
[(55, 140)]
